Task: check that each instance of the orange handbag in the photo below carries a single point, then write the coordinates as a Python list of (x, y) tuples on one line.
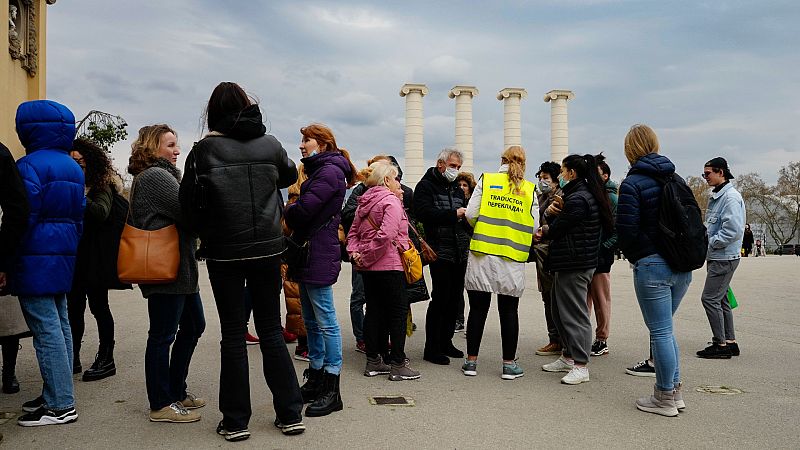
[(148, 257)]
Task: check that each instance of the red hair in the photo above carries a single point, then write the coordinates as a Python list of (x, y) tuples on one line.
[(327, 143)]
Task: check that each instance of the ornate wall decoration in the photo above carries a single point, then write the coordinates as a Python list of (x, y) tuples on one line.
[(22, 37)]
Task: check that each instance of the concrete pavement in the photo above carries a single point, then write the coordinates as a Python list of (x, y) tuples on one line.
[(454, 411)]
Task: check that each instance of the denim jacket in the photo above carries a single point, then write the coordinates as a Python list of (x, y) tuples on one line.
[(725, 218)]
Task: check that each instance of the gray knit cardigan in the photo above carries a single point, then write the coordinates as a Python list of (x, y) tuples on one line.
[(154, 205)]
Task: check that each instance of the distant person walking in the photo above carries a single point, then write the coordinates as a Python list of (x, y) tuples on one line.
[(747, 240), (503, 211), (725, 218), (231, 192), (659, 289)]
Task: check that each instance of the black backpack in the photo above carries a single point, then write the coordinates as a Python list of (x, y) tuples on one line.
[(683, 239), (109, 239)]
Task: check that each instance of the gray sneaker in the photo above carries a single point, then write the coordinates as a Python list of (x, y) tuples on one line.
[(400, 372), (375, 367), (511, 371), (470, 368)]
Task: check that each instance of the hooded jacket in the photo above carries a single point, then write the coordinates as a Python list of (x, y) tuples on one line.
[(230, 190), (637, 208), (54, 184), (435, 203), (379, 248), (315, 216)]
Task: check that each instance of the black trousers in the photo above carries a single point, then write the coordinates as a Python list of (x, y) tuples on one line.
[(447, 279), (386, 315), (509, 322), (263, 278), (98, 305)]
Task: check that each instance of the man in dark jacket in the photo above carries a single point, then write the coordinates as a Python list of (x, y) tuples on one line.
[(44, 266), (440, 205)]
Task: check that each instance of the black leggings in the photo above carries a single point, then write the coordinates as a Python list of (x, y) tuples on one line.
[(98, 305), (387, 314), (509, 322)]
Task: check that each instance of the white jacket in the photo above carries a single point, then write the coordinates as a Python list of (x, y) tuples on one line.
[(489, 273)]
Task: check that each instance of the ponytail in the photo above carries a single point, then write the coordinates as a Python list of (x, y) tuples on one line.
[(514, 157), (586, 168)]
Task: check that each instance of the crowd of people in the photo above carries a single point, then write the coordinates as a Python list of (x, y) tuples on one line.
[(63, 208)]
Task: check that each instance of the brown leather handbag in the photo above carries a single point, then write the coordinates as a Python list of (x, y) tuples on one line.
[(427, 253), (148, 257)]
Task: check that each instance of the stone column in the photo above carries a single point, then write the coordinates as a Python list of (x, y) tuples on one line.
[(414, 166), (463, 96), (512, 123), (559, 129)]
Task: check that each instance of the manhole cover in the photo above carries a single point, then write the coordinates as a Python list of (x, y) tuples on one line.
[(393, 400), (721, 390)]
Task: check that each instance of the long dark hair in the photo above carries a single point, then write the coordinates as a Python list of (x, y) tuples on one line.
[(99, 170), (585, 168), (227, 98)]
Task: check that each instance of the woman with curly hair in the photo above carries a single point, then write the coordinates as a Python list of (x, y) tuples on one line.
[(175, 309), (102, 183)]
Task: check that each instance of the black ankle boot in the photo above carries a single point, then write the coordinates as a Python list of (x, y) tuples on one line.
[(10, 383), (313, 385), (103, 366), (328, 400)]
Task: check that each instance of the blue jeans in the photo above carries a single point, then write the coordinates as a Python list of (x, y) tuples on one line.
[(52, 338), (324, 337), (357, 301), (660, 291), (165, 374)]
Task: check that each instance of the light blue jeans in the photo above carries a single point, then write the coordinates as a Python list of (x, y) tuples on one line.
[(660, 291), (324, 336), (52, 338)]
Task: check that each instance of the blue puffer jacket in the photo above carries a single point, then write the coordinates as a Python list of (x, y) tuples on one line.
[(54, 183), (637, 208)]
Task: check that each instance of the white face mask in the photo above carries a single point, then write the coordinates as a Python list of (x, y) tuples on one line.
[(544, 187), (503, 168), (451, 174)]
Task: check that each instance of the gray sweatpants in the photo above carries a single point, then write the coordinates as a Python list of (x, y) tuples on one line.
[(715, 299), (571, 314)]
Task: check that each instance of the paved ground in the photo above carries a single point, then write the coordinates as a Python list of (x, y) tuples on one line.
[(454, 411)]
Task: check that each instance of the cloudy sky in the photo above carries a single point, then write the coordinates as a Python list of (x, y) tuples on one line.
[(711, 77)]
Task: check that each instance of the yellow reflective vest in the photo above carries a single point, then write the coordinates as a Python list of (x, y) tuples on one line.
[(505, 225)]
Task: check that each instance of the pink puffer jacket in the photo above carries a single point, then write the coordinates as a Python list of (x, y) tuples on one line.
[(379, 248)]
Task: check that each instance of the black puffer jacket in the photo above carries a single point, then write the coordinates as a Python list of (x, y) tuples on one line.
[(575, 233), (230, 190), (435, 203)]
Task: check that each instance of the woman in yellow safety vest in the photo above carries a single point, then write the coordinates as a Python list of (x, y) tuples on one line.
[(502, 211)]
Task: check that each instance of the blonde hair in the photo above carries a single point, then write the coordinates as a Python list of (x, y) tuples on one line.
[(379, 171), (144, 150), (364, 173), (641, 140), (514, 156), (294, 190)]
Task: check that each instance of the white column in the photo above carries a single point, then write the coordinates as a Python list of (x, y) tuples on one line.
[(559, 128), (463, 96), (414, 166), (512, 122)]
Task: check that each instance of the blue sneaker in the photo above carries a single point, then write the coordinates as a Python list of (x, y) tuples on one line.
[(511, 371), (470, 368)]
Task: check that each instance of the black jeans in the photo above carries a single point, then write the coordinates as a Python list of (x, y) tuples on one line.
[(447, 279), (98, 305), (263, 279), (387, 313), (174, 318), (509, 322)]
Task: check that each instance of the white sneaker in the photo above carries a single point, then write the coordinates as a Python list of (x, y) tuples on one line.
[(559, 365), (577, 375)]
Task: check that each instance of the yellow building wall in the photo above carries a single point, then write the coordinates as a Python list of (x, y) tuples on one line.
[(16, 86)]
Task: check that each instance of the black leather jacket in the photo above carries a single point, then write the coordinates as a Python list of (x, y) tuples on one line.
[(230, 192)]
